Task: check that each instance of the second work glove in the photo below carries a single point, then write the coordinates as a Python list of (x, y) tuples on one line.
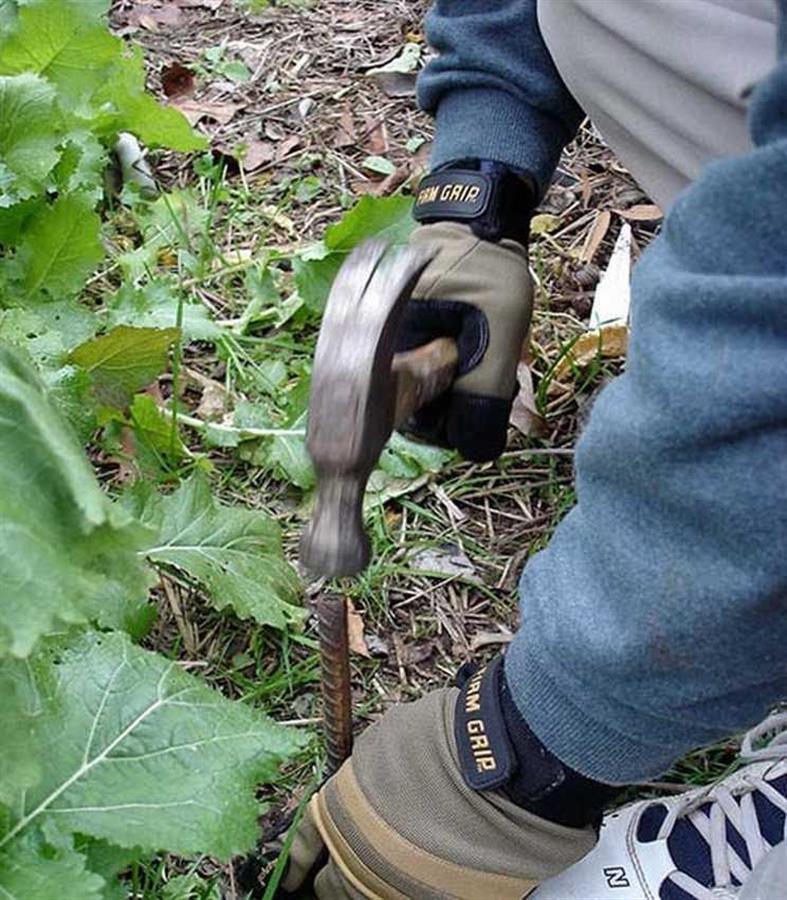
[(439, 800), (477, 290)]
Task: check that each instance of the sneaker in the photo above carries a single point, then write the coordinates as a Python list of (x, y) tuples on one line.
[(701, 845)]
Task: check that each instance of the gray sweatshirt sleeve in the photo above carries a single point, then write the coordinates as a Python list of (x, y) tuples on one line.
[(493, 88), (656, 619)]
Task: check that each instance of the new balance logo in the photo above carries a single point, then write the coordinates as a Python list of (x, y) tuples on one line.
[(616, 877)]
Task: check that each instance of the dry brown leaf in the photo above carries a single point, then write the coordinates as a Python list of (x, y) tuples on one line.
[(151, 15), (215, 398), (195, 110), (645, 212), (345, 134), (287, 146), (255, 153), (609, 341), (524, 415), (395, 84), (390, 183), (178, 81), (355, 636), (375, 136), (596, 235)]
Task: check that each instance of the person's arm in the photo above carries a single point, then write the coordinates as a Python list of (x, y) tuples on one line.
[(656, 619), (494, 89), (503, 117)]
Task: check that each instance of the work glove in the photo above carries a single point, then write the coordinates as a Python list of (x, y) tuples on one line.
[(475, 214), (481, 294), (432, 804)]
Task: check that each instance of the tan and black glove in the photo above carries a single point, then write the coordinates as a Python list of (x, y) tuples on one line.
[(477, 290), (440, 801)]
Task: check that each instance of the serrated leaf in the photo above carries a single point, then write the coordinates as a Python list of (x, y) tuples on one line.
[(61, 43), (49, 331), (67, 554), (30, 870), (81, 166), (156, 306), (29, 135), (124, 361), (234, 553), (61, 248), (140, 753)]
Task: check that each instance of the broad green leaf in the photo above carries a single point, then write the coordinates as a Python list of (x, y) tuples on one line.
[(29, 135), (156, 306), (142, 754), (67, 554), (61, 43), (389, 218), (234, 553), (14, 219), (31, 870), (404, 466), (158, 442), (61, 248), (49, 331), (386, 217), (125, 106), (108, 861), (314, 277), (124, 361), (288, 454), (71, 391), (20, 769)]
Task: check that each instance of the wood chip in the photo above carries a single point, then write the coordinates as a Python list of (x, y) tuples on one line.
[(645, 212), (596, 235), (355, 631)]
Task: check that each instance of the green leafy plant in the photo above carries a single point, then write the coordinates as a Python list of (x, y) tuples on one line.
[(102, 740), (68, 88)]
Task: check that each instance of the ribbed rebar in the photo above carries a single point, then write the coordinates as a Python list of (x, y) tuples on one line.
[(335, 669)]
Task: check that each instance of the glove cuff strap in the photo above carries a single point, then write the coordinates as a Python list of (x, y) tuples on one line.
[(493, 200), (497, 750)]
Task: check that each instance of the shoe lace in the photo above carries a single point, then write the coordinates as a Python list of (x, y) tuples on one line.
[(722, 804)]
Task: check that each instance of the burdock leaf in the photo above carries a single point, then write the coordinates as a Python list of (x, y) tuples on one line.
[(67, 553), (234, 553), (142, 754)]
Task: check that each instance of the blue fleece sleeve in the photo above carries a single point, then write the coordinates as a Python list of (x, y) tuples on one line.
[(494, 89), (656, 619)]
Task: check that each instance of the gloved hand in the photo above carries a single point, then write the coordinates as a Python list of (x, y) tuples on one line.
[(480, 293), (400, 819)]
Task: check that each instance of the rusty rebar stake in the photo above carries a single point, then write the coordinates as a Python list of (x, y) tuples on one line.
[(335, 671)]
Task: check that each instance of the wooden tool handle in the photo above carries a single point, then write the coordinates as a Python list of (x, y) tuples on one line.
[(422, 375)]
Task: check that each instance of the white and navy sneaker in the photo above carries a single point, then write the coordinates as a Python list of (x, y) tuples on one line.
[(701, 845)]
